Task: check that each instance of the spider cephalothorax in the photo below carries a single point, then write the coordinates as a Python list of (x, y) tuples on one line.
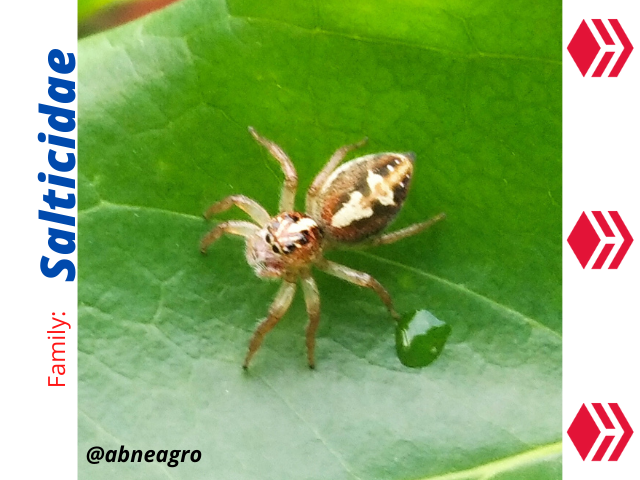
[(349, 204), (287, 242)]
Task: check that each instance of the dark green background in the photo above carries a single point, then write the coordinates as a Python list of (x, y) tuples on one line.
[(474, 88)]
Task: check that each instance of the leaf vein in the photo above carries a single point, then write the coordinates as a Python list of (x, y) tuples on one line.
[(390, 41), (456, 286)]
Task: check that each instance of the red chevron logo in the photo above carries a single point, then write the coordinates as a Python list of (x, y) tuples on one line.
[(594, 231), (588, 429), (595, 38)]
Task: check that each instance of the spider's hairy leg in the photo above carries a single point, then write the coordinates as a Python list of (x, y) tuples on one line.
[(329, 167), (234, 227), (288, 195), (414, 229), (279, 307), (251, 207), (312, 300), (359, 278)]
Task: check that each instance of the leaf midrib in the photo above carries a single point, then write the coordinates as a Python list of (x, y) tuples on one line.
[(513, 462)]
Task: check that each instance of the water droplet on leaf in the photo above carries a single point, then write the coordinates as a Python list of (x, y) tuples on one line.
[(420, 338)]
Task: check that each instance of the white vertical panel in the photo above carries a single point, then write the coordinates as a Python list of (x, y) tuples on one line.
[(39, 426), (601, 317)]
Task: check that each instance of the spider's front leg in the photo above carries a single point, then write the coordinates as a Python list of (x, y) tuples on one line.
[(288, 195), (234, 227), (359, 278), (278, 308), (251, 207)]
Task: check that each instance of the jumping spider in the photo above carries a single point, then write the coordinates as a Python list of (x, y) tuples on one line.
[(345, 205)]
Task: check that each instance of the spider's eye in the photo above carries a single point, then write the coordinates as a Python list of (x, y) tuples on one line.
[(304, 237), (268, 238), (275, 248), (289, 248)]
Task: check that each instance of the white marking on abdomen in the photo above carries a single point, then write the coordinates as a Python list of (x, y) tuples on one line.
[(380, 189), (351, 211)]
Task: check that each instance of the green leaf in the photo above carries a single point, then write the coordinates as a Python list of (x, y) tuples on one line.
[(474, 88)]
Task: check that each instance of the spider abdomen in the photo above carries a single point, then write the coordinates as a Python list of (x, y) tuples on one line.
[(361, 197)]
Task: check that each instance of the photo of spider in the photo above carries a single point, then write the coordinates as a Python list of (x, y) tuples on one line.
[(345, 205)]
